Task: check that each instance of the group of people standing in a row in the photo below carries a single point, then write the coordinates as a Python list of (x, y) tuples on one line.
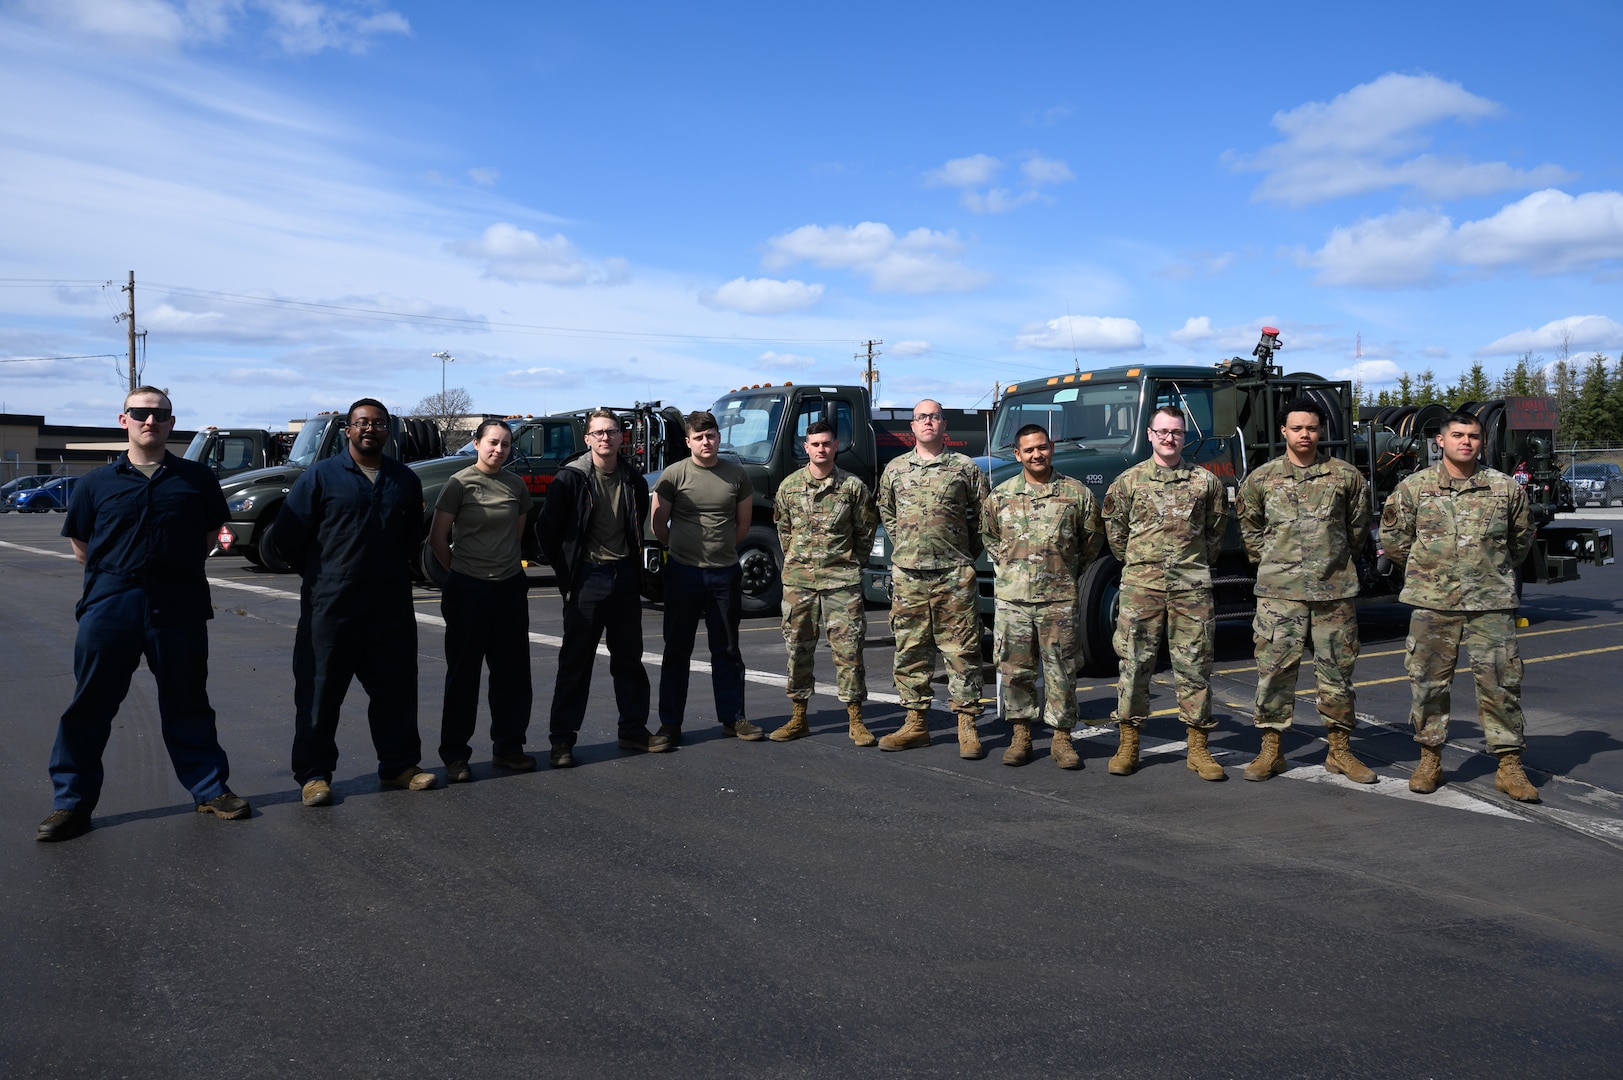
[(144, 525)]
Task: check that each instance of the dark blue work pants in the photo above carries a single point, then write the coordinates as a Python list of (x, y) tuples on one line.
[(486, 623), (114, 633), (716, 596), (608, 601), (379, 649)]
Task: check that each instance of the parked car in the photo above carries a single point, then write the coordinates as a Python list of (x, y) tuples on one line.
[(1595, 481), (52, 495), (15, 487)]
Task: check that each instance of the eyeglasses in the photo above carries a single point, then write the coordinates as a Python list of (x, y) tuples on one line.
[(364, 424), (142, 413), (1167, 433), (927, 418), (604, 434)]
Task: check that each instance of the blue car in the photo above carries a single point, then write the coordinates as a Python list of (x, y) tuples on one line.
[(52, 495), (13, 487)]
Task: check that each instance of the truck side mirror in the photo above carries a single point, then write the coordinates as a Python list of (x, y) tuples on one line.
[(1225, 411)]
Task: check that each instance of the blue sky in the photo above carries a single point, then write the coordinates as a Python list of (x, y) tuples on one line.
[(592, 205)]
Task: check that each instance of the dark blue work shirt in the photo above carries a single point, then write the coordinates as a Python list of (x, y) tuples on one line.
[(148, 534), (352, 539)]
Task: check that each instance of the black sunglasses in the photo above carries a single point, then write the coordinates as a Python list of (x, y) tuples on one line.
[(140, 413)]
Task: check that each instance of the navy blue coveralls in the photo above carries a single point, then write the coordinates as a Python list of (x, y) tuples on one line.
[(146, 595), (352, 540)]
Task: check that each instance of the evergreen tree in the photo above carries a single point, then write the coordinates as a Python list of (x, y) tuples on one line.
[(1426, 389), (1405, 390), (1614, 402), (1591, 422), (1564, 388)]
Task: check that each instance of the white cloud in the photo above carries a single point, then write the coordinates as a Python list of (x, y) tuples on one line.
[(1084, 333), (484, 177), (1360, 141), (922, 261), (909, 348), (1199, 331), (1371, 372), (771, 360), (762, 296), (1580, 332), (299, 27), (1434, 352), (964, 172), (514, 254), (1041, 171), (1546, 232), (996, 200)]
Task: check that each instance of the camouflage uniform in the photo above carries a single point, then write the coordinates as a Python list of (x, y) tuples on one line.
[(1040, 537), (1164, 526), (1303, 528), (1461, 541), (826, 528), (931, 510)]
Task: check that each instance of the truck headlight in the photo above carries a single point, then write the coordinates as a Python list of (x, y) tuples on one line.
[(241, 504)]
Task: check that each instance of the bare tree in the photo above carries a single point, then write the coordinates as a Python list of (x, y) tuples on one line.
[(448, 411)]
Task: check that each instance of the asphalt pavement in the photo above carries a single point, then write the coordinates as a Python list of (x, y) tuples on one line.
[(812, 908)]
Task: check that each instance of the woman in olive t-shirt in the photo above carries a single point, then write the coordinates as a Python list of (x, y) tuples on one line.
[(486, 605)]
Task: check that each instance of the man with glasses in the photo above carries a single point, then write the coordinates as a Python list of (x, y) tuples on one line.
[(701, 509), (1304, 517), (352, 526), (826, 521), (591, 528), (930, 502), (1041, 530), (142, 527), (1164, 518)]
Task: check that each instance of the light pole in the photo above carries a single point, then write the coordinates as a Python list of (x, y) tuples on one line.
[(444, 358)]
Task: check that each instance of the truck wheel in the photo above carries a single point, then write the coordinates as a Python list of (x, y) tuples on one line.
[(1099, 597), (1606, 500), (269, 557), (761, 559)]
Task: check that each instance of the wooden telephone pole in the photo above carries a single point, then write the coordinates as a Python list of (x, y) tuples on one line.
[(870, 375), (129, 317)]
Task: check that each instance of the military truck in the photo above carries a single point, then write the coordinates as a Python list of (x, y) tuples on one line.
[(254, 498), (541, 446), (1233, 411), (228, 452), (763, 428)]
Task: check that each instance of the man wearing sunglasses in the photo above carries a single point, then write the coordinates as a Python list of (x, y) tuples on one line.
[(351, 526), (1164, 519), (142, 527)]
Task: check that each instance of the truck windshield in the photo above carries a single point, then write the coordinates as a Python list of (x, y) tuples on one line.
[(1096, 415), (310, 446), (749, 425), (198, 449)]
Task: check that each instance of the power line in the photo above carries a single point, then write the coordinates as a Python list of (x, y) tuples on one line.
[(38, 359)]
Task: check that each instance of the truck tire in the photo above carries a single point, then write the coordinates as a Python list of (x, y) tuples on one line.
[(761, 559), (269, 557), (1606, 499), (1099, 596)]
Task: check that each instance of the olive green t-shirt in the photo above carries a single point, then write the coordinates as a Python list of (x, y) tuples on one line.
[(704, 510), (606, 531), (487, 510)]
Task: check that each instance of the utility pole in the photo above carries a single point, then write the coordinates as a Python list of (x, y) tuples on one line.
[(130, 318), (870, 375)]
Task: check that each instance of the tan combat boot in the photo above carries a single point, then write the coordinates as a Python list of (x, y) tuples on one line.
[(796, 728), (1019, 751), (1511, 780), (1061, 750), (1428, 775), (1340, 760), (1269, 761), (916, 732), (1200, 759), (1125, 760), (859, 731), (969, 741)]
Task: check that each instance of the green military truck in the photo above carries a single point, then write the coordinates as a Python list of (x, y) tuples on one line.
[(255, 497), (541, 446), (763, 428), (229, 451), (1233, 411)]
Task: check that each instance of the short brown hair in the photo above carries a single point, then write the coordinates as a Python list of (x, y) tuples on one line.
[(154, 391), (702, 420)]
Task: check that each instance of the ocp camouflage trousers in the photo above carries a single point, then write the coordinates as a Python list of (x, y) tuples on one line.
[(1029, 636), (1281, 630), (935, 611), (1187, 617), (808, 613), (1433, 650)]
